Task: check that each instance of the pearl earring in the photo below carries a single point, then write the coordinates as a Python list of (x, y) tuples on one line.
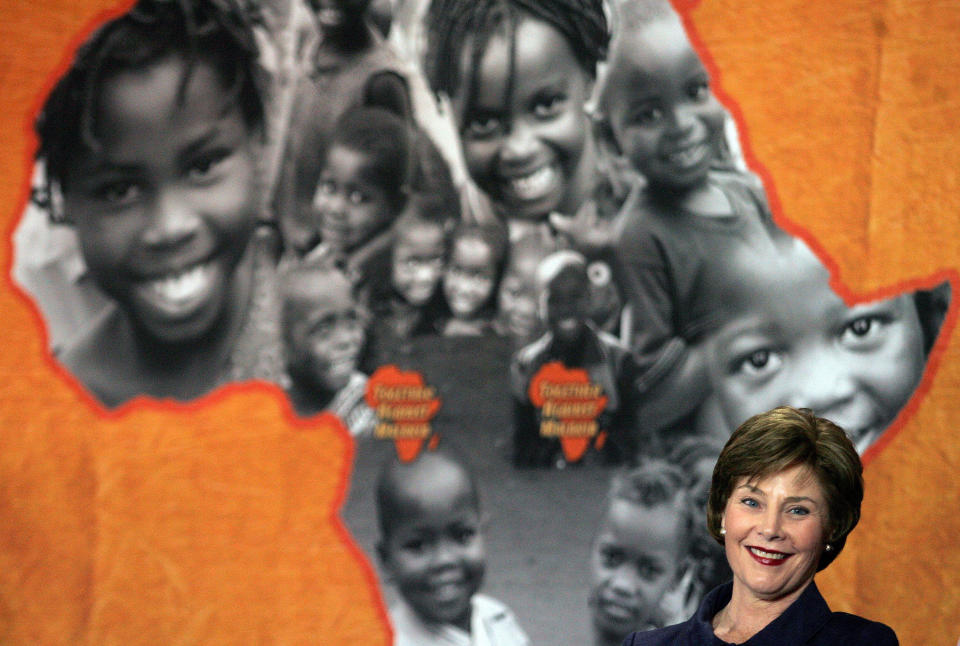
[(723, 531), (828, 548)]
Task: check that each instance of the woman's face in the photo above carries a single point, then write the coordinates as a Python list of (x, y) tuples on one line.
[(524, 137), (775, 533)]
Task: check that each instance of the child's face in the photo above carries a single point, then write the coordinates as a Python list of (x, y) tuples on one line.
[(567, 300), (434, 553), (799, 344), (468, 283), (664, 117), (325, 336), (418, 262), (349, 206), (165, 208), (635, 559), (517, 299), (524, 142)]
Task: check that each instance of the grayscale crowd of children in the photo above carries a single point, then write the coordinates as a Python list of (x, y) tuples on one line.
[(301, 192)]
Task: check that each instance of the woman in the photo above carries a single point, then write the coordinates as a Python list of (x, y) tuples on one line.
[(785, 494)]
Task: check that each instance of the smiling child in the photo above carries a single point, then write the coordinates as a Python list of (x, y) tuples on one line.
[(676, 232), (152, 139), (794, 341), (477, 254), (518, 74), (431, 548), (323, 334)]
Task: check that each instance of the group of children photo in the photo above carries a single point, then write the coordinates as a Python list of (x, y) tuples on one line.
[(300, 192)]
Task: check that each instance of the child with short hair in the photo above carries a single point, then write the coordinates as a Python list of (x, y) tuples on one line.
[(571, 339), (323, 337), (431, 548), (477, 254), (790, 339), (696, 457), (163, 197), (361, 191), (406, 302), (677, 231), (351, 53), (638, 561), (517, 299)]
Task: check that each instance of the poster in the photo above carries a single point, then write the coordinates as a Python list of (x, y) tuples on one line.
[(217, 521)]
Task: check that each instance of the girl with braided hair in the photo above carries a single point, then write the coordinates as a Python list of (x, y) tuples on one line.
[(150, 143), (518, 73)]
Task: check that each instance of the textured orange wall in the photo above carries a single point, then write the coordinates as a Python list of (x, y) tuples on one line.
[(214, 523)]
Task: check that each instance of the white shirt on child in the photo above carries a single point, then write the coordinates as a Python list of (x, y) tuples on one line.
[(491, 624)]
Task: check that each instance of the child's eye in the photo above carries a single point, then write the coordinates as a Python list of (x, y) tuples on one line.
[(357, 197), (611, 558), (414, 545), (646, 115), (119, 193), (480, 127), (549, 106), (203, 167), (327, 187), (464, 535), (863, 331), (648, 570), (759, 363), (700, 90)]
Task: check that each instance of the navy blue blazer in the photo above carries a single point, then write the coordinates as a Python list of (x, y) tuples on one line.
[(808, 620)]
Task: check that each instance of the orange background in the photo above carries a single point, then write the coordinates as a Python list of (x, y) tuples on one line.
[(215, 523)]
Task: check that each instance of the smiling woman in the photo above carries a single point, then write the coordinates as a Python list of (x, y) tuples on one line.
[(785, 494)]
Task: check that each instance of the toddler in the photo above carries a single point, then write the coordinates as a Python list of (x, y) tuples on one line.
[(676, 231), (791, 340), (571, 339), (163, 197), (350, 56), (696, 457), (323, 335), (638, 561), (477, 254), (361, 191), (517, 315), (431, 548)]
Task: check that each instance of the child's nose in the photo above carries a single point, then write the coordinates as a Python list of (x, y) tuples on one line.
[(682, 120), (519, 145), (823, 383), (625, 579), (172, 221)]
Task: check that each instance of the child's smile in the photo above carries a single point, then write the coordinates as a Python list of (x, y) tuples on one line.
[(164, 210)]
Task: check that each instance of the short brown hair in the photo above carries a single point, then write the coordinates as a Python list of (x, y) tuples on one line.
[(782, 438)]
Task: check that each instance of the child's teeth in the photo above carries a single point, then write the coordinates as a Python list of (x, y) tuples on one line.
[(534, 184), (687, 156), (182, 286)]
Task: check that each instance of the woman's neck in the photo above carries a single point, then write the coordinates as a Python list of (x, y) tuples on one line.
[(746, 615)]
